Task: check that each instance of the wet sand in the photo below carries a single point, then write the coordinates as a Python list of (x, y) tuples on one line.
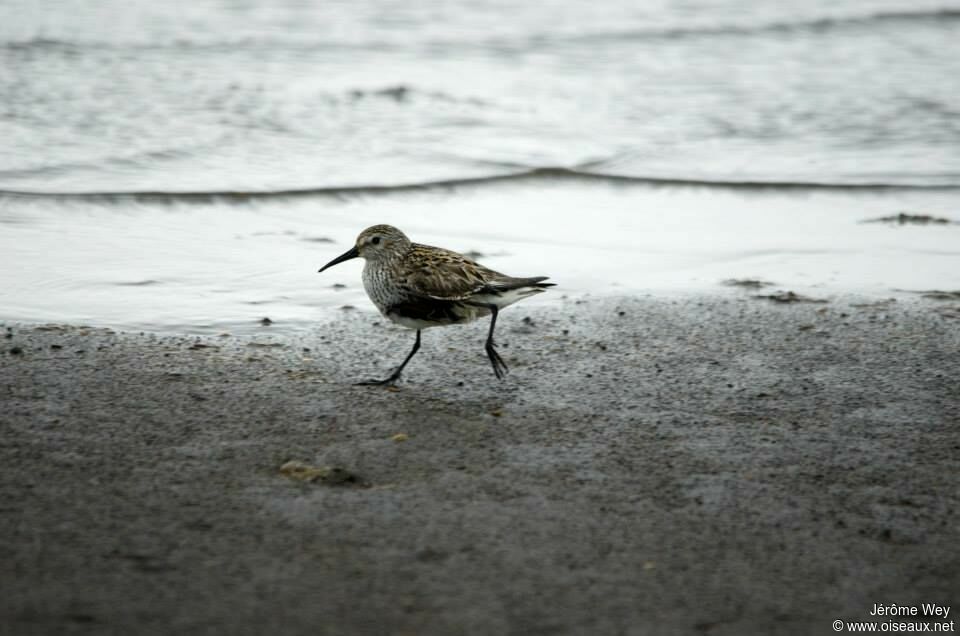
[(720, 465)]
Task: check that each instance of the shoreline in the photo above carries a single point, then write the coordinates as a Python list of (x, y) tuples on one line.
[(213, 265), (717, 465)]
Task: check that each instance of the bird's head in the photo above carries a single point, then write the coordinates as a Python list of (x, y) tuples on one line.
[(376, 243)]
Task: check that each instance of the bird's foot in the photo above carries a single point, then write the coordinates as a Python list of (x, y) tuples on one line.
[(499, 366), (389, 382)]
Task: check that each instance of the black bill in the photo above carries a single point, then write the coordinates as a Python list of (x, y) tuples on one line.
[(346, 256)]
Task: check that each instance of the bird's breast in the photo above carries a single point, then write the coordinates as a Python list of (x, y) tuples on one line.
[(379, 286)]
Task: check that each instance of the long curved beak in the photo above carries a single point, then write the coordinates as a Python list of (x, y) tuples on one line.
[(346, 256)]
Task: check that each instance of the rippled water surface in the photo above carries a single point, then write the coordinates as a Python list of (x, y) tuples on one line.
[(616, 146), (115, 95)]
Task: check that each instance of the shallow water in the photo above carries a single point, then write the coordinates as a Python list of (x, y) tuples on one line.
[(573, 140), (213, 265)]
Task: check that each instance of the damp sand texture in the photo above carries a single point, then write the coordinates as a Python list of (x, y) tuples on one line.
[(721, 466)]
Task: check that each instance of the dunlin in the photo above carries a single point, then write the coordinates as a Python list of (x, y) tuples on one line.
[(420, 286)]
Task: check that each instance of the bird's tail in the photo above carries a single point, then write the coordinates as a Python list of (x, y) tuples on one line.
[(509, 283), (508, 290)]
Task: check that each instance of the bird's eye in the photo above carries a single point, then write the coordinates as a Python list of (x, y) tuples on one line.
[(375, 240)]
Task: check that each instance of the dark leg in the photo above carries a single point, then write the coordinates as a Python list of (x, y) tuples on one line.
[(499, 366), (396, 374)]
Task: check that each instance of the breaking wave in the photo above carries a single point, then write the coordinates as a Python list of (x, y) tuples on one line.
[(519, 176)]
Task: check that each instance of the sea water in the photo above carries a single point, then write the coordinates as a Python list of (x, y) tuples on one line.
[(190, 165)]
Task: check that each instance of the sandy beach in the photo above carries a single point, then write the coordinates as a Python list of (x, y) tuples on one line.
[(736, 413), (706, 464)]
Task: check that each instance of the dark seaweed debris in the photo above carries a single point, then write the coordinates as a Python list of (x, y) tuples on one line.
[(933, 294), (936, 294), (746, 283), (904, 218), (789, 297)]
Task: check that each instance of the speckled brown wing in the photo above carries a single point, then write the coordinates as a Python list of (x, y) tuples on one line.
[(434, 272)]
